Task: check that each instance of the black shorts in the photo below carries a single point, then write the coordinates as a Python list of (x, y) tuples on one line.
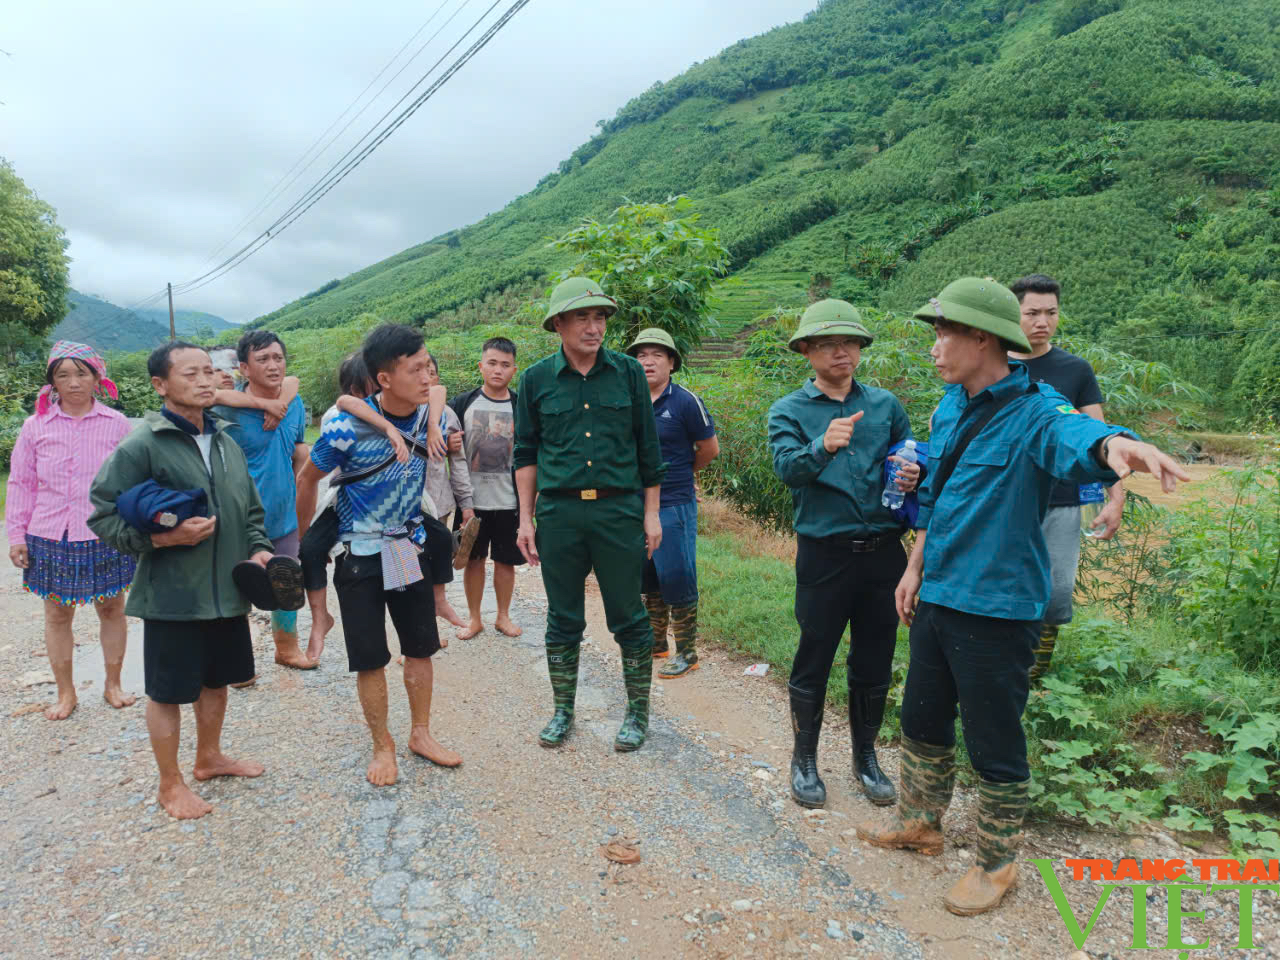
[(179, 657), (439, 550), (314, 550), (364, 606), (497, 538)]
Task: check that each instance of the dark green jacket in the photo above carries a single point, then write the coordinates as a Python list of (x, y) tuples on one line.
[(182, 583), (592, 431)]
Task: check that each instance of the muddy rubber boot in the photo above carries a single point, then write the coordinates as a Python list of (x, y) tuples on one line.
[(866, 713), (807, 788), (637, 673), (659, 613), (1044, 651), (684, 627), (562, 666), (1001, 809), (928, 778)]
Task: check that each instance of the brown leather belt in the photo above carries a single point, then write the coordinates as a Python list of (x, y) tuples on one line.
[(591, 493)]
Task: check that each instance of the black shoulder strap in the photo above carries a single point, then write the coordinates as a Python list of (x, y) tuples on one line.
[(948, 466), (417, 448)]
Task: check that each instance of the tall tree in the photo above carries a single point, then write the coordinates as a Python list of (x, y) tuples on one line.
[(33, 263)]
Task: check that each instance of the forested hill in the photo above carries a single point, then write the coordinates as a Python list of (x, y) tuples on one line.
[(1131, 147), (105, 326)]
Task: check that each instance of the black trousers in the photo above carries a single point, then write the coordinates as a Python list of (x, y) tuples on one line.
[(980, 665), (837, 588), (313, 553)]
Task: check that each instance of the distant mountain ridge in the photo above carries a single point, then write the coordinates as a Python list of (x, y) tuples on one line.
[(105, 326)]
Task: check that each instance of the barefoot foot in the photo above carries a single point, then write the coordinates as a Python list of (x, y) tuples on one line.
[(472, 629), (320, 627), (446, 611), (382, 768), (507, 627), (118, 698), (424, 745), (62, 707), (293, 657), (220, 765), (181, 804)]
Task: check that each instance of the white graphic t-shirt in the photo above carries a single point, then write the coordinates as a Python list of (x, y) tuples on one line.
[(489, 429)]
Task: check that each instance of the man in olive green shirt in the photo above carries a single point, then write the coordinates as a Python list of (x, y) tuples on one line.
[(829, 441), (586, 445)]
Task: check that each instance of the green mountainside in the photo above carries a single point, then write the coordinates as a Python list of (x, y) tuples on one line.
[(1129, 147), (104, 326)]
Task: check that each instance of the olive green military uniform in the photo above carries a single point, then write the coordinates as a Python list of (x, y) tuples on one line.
[(595, 444)]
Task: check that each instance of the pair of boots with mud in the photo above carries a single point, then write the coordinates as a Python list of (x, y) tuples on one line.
[(637, 674), (866, 713), (928, 778), (684, 629)]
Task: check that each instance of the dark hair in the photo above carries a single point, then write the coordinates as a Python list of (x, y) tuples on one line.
[(353, 376), (388, 343), (53, 368), (161, 360), (501, 344), (431, 359), (258, 340), (1036, 283)]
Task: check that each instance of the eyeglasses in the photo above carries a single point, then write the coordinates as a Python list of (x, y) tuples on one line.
[(831, 346)]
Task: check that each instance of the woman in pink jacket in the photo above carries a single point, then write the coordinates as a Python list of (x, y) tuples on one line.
[(57, 455)]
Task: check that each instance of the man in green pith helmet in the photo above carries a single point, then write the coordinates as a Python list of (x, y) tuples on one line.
[(688, 438), (980, 571), (586, 445), (829, 441)]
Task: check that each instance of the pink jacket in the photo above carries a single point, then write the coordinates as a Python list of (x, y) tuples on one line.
[(53, 464)]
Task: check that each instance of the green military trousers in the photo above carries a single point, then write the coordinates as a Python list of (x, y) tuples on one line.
[(575, 537)]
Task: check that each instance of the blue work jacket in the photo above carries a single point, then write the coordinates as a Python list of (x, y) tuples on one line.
[(984, 552)]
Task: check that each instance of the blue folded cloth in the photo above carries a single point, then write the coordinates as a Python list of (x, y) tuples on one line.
[(910, 509), (152, 508)]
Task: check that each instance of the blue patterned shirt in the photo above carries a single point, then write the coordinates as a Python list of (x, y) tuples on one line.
[(387, 500)]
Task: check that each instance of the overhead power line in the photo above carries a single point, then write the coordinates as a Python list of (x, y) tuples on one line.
[(286, 181), (345, 165)]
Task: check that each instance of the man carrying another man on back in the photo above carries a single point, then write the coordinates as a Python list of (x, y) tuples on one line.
[(487, 414), (274, 456), (1038, 297)]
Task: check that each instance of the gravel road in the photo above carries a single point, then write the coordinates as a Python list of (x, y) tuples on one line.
[(498, 858)]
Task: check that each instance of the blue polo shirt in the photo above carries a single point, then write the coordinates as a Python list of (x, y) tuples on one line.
[(985, 553), (682, 421), (270, 456)]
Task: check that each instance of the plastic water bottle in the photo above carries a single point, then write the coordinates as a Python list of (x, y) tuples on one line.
[(893, 498), (1092, 496)]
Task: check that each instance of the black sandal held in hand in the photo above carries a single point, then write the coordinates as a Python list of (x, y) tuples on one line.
[(285, 574), (252, 580)]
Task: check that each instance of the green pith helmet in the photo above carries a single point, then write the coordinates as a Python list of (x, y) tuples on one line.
[(658, 337), (981, 304), (828, 318), (576, 293)]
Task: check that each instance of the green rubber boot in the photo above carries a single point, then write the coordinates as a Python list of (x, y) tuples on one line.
[(1044, 651), (659, 613), (637, 672), (562, 666), (1001, 809), (927, 780), (684, 627)]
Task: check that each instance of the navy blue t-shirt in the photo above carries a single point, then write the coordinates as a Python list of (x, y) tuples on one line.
[(682, 422)]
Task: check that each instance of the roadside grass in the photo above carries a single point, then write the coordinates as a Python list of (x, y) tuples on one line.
[(1133, 724)]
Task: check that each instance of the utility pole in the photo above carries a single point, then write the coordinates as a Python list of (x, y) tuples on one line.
[(172, 334)]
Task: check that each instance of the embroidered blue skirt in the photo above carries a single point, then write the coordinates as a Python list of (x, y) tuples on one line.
[(74, 572)]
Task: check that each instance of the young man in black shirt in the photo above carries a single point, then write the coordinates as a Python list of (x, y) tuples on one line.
[(1072, 377)]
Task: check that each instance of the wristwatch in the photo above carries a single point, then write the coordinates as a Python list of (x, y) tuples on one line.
[(1103, 446)]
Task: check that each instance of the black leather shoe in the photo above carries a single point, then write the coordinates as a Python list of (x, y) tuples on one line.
[(807, 788)]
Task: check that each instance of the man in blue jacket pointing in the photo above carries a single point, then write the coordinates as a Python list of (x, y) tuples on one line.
[(980, 571)]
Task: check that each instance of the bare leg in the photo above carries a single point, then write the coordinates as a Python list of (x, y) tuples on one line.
[(419, 677), (504, 584), (284, 631), (113, 630), (371, 685), (473, 584), (445, 609), (210, 760), (164, 722), (321, 623), (60, 647)]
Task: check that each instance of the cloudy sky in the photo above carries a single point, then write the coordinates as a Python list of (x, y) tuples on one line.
[(155, 128)]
